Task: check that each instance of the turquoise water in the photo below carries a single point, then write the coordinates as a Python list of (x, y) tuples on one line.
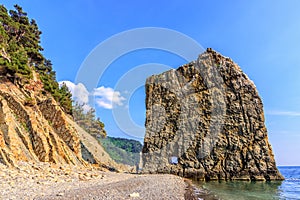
[(287, 189)]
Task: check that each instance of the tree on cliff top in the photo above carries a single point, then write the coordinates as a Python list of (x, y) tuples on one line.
[(20, 53)]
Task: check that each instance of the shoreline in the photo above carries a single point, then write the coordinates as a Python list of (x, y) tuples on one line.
[(49, 181), (195, 193), (190, 191)]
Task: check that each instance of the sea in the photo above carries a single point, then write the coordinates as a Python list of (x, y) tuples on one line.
[(240, 190)]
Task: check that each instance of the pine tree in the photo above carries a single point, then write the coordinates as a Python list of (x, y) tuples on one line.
[(20, 53), (65, 98)]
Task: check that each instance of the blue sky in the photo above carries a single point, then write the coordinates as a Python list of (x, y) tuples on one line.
[(263, 37)]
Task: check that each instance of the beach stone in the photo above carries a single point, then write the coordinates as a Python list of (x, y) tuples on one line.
[(134, 195), (205, 120), (60, 194)]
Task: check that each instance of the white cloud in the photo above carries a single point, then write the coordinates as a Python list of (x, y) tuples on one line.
[(107, 97), (284, 113), (79, 91)]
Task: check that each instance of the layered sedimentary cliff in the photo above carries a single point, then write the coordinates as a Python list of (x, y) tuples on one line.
[(205, 120), (34, 128), (35, 124)]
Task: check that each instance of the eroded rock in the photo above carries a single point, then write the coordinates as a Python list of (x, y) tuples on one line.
[(205, 120), (36, 132)]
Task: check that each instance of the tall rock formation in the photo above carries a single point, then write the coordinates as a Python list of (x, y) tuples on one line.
[(205, 120)]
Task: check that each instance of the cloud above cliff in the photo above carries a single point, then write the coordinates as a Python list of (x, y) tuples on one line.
[(105, 97)]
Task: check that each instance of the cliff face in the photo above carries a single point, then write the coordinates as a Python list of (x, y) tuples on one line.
[(205, 121), (33, 123), (34, 128)]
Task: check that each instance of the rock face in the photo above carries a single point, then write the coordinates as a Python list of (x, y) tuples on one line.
[(205, 120), (34, 128)]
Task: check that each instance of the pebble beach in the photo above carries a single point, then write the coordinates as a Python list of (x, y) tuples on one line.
[(42, 181)]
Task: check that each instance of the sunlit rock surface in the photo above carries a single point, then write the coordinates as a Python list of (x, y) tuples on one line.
[(205, 120)]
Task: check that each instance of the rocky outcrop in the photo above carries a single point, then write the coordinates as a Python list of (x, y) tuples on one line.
[(205, 120), (34, 128), (29, 134)]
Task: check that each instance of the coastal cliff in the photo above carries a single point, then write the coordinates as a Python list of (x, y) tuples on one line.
[(36, 123), (34, 128), (205, 121)]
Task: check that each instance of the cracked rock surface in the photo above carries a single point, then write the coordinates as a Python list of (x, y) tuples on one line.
[(205, 120)]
